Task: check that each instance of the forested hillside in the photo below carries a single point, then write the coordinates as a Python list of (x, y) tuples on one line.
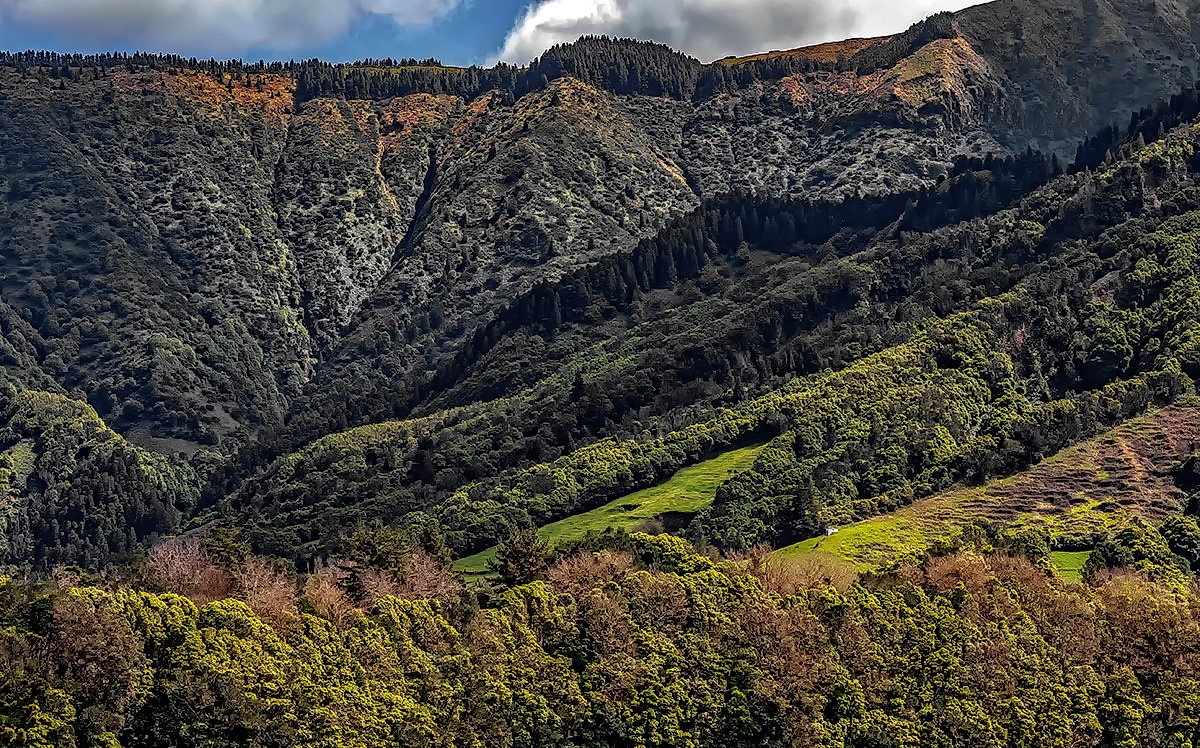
[(994, 342), (842, 395), (234, 262)]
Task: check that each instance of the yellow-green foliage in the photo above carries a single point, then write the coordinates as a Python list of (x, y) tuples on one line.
[(16, 463), (1070, 564), (920, 407), (1094, 505), (663, 648), (688, 491), (859, 437), (1170, 152)]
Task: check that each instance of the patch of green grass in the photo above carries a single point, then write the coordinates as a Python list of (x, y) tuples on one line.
[(1069, 564), (688, 491), (867, 543), (1032, 499)]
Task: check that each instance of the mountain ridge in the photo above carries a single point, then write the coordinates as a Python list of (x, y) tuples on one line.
[(844, 396), (251, 261)]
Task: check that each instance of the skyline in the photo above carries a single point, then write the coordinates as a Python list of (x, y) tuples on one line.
[(457, 32)]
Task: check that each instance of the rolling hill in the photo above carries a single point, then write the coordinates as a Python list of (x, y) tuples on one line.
[(840, 396), (419, 293)]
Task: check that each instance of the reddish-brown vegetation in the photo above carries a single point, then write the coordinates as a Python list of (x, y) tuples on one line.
[(825, 52), (273, 95)]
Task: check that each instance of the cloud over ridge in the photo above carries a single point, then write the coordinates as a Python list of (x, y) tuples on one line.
[(710, 29)]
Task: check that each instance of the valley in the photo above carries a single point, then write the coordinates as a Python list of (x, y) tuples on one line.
[(839, 396)]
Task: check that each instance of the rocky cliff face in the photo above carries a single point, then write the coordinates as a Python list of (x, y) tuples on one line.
[(209, 260), (1078, 66)]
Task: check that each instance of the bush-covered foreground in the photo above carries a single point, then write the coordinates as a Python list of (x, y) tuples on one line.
[(652, 646)]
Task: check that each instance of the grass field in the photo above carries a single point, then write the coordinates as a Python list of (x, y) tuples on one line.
[(867, 544), (1069, 564), (687, 492), (1087, 488)]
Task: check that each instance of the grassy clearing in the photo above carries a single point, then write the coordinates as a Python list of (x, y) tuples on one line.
[(866, 544), (1093, 487), (687, 492), (1069, 564)]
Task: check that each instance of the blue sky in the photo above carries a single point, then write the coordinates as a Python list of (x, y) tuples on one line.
[(456, 31), (472, 33)]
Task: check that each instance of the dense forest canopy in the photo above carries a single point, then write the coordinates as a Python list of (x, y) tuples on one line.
[(651, 644), (499, 462), (486, 454)]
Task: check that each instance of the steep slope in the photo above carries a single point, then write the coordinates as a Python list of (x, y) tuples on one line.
[(1089, 321), (846, 133), (346, 189), (521, 196), (892, 123), (667, 507), (142, 251), (617, 241), (74, 492), (1080, 65), (1079, 494)]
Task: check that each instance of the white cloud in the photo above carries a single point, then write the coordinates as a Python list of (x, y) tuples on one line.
[(410, 12), (211, 26), (710, 29)]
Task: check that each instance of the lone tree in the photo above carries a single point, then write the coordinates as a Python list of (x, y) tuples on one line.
[(523, 557)]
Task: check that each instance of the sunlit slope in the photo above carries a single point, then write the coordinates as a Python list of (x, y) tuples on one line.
[(1084, 489), (686, 493)]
